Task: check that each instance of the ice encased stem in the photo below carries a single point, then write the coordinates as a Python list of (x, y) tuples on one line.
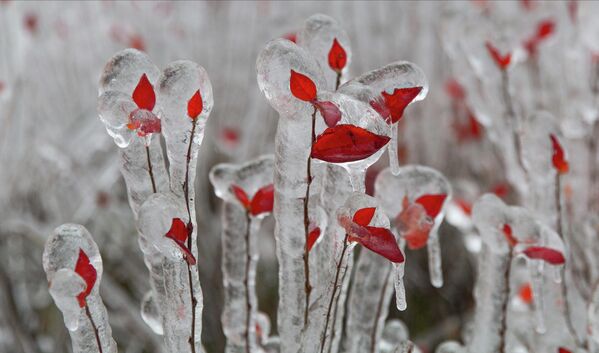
[(393, 157)]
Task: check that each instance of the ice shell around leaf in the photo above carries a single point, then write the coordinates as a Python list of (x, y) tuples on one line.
[(123, 71), (179, 83), (64, 288), (249, 177), (114, 109), (401, 74), (156, 216), (62, 250), (490, 215), (318, 37), (274, 65)]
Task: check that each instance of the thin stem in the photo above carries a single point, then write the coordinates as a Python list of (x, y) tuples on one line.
[(306, 256), (511, 115), (335, 314), (503, 329), (335, 285), (150, 169), (338, 82), (91, 320), (248, 303), (379, 309), (194, 302)]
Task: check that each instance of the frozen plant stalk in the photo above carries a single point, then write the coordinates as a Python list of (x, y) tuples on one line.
[(247, 191), (73, 267)]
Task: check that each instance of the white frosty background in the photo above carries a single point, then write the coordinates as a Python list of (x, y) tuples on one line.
[(57, 164)]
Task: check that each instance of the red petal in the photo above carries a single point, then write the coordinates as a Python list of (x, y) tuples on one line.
[(432, 203), (87, 271), (195, 105), (179, 233), (501, 61), (363, 216), (509, 235), (382, 242), (329, 111), (312, 238), (347, 143), (337, 56), (143, 95), (525, 293), (549, 255), (263, 200), (241, 196), (559, 160), (302, 87), (397, 101)]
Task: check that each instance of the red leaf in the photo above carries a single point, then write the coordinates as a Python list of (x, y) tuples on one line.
[(501, 189), (337, 56), (455, 90), (464, 205), (509, 235), (195, 105), (143, 95), (137, 42), (379, 105), (545, 28), (525, 293), (31, 22), (563, 350), (302, 87), (502, 61), (86, 271), (347, 143), (291, 37), (263, 200), (312, 238), (559, 159), (397, 101), (414, 224), (363, 216), (382, 242), (144, 121), (179, 233), (329, 111), (241, 196), (432, 203), (549, 255)]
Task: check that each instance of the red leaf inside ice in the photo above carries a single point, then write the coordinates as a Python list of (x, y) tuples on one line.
[(414, 224), (86, 271), (559, 158), (143, 95), (291, 37), (525, 293), (548, 255), (144, 122), (563, 350), (302, 87), (382, 242), (363, 216), (195, 105), (241, 196), (312, 238), (337, 56), (509, 235), (502, 61), (397, 101), (329, 111), (179, 232), (347, 143), (432, 203), (263, 200)]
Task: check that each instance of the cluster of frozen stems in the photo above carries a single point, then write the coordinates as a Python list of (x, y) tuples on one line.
[(330, 130)]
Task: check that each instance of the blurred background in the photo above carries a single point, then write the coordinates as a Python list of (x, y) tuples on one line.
[(58, 165)]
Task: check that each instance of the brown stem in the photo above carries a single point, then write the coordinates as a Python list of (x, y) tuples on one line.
[(379, 309), (150, 169), (91, 320), (335, 314), (335, 285), (338, 82), (248, 304), (194, 302), (503, 328), (306, 256)]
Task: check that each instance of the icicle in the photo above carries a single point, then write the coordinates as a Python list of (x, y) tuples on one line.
[(434, 259), (400, 291), (535, 268), (72, 264)]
